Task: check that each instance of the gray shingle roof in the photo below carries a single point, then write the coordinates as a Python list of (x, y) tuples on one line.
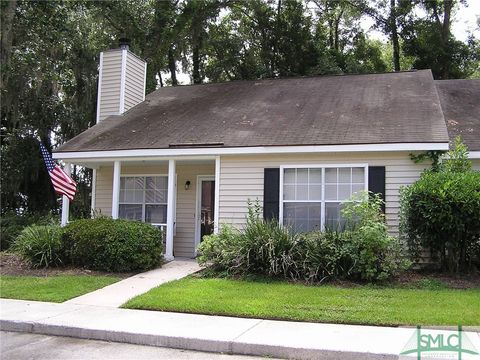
[(460, 101), (327, 110)]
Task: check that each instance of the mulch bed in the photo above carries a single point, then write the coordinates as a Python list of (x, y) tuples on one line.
[(460, 281), (413, 279), (12, 264)]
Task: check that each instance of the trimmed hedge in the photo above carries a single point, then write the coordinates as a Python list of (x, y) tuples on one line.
[(441, 212), (112, 245)]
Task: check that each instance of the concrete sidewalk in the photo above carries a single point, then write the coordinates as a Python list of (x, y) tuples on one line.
[(119, 293), (282, 339)]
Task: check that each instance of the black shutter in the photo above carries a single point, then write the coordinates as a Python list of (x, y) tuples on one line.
[(376, 181), (271, 191)]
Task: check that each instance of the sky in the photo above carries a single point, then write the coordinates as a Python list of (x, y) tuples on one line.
[(467, 20), (464, 22)]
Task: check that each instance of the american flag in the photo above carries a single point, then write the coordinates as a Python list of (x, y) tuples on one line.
[(62, 183)]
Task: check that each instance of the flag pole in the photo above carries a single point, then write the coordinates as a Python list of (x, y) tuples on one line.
[(65, 200)]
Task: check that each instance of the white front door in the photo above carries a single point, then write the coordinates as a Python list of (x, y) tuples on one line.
[(205, 210)]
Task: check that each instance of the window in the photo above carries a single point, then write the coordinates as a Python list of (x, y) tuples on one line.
[(312, 197), (144, 198)]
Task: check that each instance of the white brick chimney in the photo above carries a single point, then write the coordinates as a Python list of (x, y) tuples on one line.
[(121, 81)]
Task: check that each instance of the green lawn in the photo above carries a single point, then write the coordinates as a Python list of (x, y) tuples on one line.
[(53, 288), (281, 300)]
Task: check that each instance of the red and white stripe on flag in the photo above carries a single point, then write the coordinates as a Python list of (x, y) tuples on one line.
[(62, 183)]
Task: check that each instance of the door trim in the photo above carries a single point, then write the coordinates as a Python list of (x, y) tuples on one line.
[(198, 204)]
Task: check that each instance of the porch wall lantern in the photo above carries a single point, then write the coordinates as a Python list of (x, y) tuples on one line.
[(187, 185)]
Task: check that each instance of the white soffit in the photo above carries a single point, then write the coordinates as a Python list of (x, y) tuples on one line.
[(257, 150)]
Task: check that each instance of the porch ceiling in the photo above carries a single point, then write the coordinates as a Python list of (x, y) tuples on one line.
[(142, 162)]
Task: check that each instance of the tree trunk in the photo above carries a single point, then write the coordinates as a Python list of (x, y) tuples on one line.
[(448, 5), (8, 14), (160, 78), (172, 66), (331, 42), (394, 30), (196, 64), (337, 25)]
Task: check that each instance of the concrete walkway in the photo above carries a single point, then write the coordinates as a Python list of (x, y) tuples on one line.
[(282, 339), (119, 293)]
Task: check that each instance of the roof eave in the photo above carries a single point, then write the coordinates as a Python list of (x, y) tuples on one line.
[(254, 150)]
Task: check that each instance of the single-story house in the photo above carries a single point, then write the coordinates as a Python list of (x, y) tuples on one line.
[(189, 158)]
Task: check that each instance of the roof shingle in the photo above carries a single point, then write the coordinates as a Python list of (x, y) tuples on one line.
[(460, 101), (324, 110)]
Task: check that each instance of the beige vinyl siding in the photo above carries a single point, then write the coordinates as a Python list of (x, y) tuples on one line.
[(184, 238), (241, 178), (110, 83), (476, 164), (134, 81)]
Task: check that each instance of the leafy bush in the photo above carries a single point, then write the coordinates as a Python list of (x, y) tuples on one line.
[(220, 251), (441, 212), (11, 225), (375, 254), (40, 245), (365, 251), (113, 245)]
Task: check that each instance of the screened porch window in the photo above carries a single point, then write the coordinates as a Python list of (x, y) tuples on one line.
[(144, 198), (312, 197)]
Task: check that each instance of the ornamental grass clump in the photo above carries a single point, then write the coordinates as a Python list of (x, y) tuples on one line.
[(363, 251), (40, 245)]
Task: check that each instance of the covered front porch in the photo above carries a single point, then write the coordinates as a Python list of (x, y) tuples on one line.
[(178, 195)]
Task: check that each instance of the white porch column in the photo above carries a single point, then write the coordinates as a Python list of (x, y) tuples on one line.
[(170, 210), (117, 167), (216, 208), (94, 192), (65, 202)]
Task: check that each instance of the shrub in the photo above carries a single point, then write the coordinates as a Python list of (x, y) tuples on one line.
[(263, 248), (375, 254), (364, 251), (11, 225), (318, 256), (220, 251), (113, 245), (441, 212), (40, 245)]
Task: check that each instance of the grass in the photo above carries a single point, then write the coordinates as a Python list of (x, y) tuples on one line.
[(52, 288), (430, 305)]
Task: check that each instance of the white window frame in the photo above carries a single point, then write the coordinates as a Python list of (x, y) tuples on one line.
[(322, 201), (162, 225)]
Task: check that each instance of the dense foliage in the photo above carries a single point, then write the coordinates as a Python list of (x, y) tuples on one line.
[(112, 245), (11, 225), (97, 244), (441, 212), (364, 251), (49, 58), (41, 245)]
